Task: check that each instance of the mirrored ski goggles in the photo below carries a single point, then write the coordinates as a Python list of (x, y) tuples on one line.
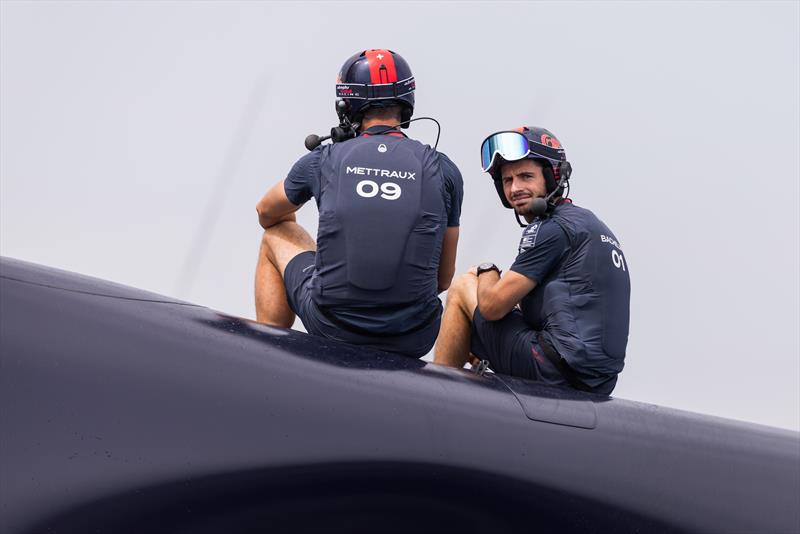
[(511, 146)]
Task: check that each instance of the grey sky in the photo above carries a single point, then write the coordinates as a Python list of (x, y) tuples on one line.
[(136, 138)]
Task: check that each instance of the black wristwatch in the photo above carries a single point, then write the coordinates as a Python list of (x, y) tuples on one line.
[(483, 267)]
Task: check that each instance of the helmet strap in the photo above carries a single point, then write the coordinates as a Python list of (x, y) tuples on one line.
[(549, 175)]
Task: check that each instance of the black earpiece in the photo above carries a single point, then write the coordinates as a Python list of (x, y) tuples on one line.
[(566, 170)]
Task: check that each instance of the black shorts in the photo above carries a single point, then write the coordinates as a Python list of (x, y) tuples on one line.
[(511, 347), (297, 281)]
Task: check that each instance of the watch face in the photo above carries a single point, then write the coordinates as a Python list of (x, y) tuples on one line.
[(486, 267)]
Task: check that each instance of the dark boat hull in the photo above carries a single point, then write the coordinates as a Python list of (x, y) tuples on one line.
[(124, 411)]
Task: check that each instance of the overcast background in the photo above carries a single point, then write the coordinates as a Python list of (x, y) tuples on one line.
[(136, 138)]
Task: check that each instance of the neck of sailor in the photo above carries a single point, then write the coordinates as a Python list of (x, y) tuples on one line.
[(368, 123)]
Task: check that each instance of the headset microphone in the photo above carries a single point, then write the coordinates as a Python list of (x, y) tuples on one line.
[(346, 129), (349, 130), (313, 141), (539, 205), (343, 132)]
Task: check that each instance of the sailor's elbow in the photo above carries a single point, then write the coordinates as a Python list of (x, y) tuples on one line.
[(263, 216), (490, 311), (264, 221)]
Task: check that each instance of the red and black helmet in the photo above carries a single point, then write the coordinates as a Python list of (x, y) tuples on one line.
[(375, 78), (525, 142)]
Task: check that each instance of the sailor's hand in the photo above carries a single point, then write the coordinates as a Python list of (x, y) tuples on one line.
[(473, 270)]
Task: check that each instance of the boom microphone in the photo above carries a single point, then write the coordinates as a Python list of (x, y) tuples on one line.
[(538, 207), (348, 130), (313, 141)]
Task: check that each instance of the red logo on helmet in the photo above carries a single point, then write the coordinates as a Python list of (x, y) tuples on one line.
[(381, 66), (549, 140)]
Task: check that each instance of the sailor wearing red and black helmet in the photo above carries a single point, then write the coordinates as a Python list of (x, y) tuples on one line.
[(375, 78), (560, 314), (389, 210)]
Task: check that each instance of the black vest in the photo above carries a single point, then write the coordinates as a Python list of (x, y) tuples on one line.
[(382, 218), (584, 307)]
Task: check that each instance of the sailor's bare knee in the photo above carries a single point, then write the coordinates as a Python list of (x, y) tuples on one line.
[(463, 292), (291, 233), (464, 284), (283, 241)]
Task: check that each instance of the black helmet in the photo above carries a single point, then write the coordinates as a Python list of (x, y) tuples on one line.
[(525, 142), (375, 78)]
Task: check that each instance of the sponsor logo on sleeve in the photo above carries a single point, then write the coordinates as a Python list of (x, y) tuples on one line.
[(529, 237)]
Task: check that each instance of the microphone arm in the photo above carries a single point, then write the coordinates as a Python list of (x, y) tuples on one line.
[(313, 141), (539, 205)]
